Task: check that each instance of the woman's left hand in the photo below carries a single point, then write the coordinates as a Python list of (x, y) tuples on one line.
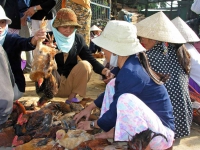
[(84, 125), (109, 75)]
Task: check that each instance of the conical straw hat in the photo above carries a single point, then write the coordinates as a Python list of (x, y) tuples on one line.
[(95, 28), (159, 27), (186, 31)]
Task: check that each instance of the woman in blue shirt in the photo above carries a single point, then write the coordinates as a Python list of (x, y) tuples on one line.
[(136, 94)]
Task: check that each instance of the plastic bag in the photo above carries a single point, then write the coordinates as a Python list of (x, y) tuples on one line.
[(196, 6)]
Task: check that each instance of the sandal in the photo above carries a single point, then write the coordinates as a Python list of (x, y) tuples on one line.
[(74, 100)]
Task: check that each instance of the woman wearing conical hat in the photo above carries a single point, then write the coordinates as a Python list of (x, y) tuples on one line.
[(190, 37), (129, 105), (164, 57)]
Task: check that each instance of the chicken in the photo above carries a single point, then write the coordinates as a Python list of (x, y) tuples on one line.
[(46, 90), (20, 140), (98, 55), (6, 136), (37, 122), (33, 145), (18, 109), (85, 101), (59, 106), (96, 144), (42, 67), (72, 138)]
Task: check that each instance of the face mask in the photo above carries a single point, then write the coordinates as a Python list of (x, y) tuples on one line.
[(113, 60)]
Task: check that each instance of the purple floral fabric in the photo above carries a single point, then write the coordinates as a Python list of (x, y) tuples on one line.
[(134, 116)]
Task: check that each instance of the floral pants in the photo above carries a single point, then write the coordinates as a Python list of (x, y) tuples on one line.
[(134, 116)]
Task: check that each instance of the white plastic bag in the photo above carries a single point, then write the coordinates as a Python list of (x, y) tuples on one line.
[(196, 6)]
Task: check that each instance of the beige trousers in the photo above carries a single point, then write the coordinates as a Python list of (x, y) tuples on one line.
[(77, 80)]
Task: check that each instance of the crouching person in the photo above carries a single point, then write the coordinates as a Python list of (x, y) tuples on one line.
[(72, 75), (135, 106)]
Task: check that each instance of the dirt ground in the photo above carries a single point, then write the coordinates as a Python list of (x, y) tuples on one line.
[(95, 87)]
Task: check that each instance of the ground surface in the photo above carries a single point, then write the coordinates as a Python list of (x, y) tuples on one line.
[(95, 87)]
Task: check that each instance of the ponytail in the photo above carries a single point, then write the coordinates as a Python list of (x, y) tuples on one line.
[(183, 57), (158, 78)]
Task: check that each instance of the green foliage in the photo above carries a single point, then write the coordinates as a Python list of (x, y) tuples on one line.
[(150, 5), (163, 4)]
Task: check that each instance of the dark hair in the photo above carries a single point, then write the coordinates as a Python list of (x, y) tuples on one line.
[(141, 140), (156, 77), (183, 57)]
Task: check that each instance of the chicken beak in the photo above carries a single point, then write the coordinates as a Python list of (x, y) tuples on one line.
[(40, 81)]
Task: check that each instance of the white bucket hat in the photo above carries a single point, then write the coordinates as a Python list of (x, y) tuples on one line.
[(119, 37), (159, 27), (3, 16), (95, 28), (185, 30)]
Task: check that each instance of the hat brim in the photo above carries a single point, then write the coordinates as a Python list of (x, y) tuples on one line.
[(185, 30), (121, 49), (8, 21), (68, 24), (159, 27)]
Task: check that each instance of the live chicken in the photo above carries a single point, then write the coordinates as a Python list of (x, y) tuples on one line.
[(42, 66)]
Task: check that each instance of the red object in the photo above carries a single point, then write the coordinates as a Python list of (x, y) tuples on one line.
[(197, 46)]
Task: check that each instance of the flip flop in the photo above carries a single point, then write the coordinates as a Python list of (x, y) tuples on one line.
[(74, 100)]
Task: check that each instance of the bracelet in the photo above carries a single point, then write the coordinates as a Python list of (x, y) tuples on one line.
[(92, 125), (35, 8)]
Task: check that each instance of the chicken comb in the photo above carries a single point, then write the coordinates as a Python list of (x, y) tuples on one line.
[(21, 120)]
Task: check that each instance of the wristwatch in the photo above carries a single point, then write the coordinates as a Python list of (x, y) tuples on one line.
[(35, 8), (92, 125)]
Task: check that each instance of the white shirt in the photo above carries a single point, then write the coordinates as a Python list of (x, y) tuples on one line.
[(195, 63)]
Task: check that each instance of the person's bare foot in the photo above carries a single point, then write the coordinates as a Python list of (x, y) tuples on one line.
[(106, 135)]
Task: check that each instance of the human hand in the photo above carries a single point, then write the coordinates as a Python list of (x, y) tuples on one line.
[(30, 12), (84, 125), (108, 74), (105, 135), (50, 42), (39, 35), (23, 21), (86, 112)]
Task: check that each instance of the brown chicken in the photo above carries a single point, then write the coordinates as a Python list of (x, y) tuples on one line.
[(21, 140), (96, 144), (34, 145), (6, 137), (18, 109), (42, 67)]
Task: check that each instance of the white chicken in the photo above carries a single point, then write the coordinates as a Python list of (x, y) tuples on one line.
[(72, 138)]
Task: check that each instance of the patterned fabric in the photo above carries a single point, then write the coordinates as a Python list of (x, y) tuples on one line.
[(166, 62), (84, 18), (133, 116), (11, 31)]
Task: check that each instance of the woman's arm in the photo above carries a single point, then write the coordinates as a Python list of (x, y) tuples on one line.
[(86, 112)]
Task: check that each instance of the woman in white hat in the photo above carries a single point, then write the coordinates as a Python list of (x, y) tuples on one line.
[(136, 101), (13, 45), (190, 37), (166, 58)]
